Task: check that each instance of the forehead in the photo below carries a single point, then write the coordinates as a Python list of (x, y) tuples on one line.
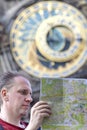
[(22, 82)]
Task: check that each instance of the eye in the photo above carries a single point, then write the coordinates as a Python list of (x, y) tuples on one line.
[(23, 92)]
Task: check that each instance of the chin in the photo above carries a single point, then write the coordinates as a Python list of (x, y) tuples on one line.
[(24, 113)]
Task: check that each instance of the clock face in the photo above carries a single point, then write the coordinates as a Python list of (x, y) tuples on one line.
[(48, 39)]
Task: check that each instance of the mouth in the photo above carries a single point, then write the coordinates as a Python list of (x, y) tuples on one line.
[(25, 106)]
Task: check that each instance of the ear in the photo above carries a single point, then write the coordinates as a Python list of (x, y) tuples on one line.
[(4, 94)]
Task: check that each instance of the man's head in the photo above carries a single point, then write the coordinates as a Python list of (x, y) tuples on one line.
[(15, 92)]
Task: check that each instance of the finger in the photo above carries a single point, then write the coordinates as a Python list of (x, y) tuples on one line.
[(37, 111), (44, 114), (40, 103), (45, 111), (43, 106)]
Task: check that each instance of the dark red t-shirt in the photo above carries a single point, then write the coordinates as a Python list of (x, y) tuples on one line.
[(8, 126)]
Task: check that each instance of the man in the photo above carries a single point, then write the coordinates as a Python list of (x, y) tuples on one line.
[(16, 96)]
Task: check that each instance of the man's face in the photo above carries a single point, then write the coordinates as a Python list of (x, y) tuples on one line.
[(19, 97)]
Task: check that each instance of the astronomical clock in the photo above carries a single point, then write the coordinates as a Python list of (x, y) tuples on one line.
[(44, 38)]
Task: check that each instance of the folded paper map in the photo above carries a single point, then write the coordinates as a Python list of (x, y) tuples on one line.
[(68, 100)]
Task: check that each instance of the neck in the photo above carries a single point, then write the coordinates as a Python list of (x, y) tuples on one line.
[(9, 117)]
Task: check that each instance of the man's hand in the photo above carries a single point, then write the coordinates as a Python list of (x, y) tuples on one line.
[(40, 110)]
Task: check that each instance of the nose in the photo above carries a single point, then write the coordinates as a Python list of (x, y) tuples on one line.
[(29, 99)]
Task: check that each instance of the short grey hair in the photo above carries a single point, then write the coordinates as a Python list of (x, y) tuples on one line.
[(7, 79)]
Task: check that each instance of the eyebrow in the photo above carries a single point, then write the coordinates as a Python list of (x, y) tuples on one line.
[(24, 90)]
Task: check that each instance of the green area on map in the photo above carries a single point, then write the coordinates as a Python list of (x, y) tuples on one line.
[(68, 100)]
